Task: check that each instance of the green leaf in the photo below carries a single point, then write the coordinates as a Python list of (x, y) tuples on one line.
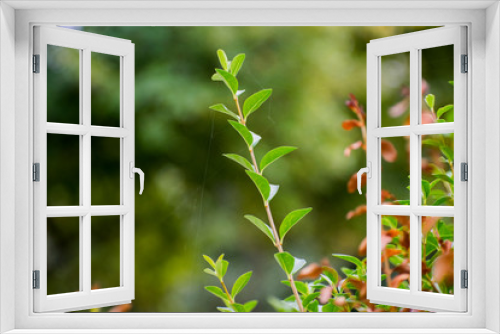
[(216, 291), (221, 266), (309, 298), (301, 286), (274, 155), (313, 306), (429, 99), (217, 77), (426, 188), (448, 152), (237, 63), (402, 201), (332, 274), (223, 109), (451, 83), (441, 200), (250, 138), (238, 307), (249, 306), (431, 142), (209, 260), (286, 261), (261, 183), (239, 159), (349, 258), (291, 219), (441, 111), (444, 177), (254, 101), (222, 58), (229, 80), (210, 272), (261, 226), (240, 283)]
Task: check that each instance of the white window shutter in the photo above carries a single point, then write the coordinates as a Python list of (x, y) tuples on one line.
[(415, 297), (85, 297)]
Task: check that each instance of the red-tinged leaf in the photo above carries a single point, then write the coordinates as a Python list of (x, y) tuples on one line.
[(403, 268), (385, 239), (353, 146), (350, 124), (428, 223), (360, 210), (388, 252), (396, 281), (399, 108), (385, 195), (340, 301), (121, 308), (427, 117), (310, 272), (362, 247), (325, 294), (389, 152), (352, 185), (353, 104), (442, 270)]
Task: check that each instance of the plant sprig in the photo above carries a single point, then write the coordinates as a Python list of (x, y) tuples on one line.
[(254, 170)]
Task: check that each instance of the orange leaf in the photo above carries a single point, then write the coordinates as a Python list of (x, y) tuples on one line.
[(360, 210), (351, 124), (362, 247), (428, 223), (389, 152), (396, 281), (442, 270), (311, 271), (353, 146), (121, 308), (352, 185)]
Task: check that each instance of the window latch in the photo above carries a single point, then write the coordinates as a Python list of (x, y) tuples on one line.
[(368, 171), (141, 176)]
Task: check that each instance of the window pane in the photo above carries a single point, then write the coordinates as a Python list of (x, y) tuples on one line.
[(63, 255), (395, 172), (437, 84), (105, 240), (395, 92), (437, 254), (438, 170), (63, 85), (105, 90), (63, 170), (105, 171), (395, 251)]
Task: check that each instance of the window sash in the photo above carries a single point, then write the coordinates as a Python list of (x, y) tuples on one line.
[(413, 43), (86, 298)]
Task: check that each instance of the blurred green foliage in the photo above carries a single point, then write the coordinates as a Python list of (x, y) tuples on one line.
[(194, 198)]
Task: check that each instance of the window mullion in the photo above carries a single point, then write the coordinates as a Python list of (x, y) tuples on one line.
[(85, 165), (415, 188)]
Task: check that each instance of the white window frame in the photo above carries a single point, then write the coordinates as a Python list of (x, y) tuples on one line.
[(413, 44), (85, 43), (16, 125)]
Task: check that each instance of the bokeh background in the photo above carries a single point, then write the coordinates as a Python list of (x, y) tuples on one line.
[(194, 198)]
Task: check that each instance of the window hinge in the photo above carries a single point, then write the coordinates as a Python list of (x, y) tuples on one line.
[(36, 172), (464, 171), (36, 279), (465, 279), (465, 64), (36, 63)]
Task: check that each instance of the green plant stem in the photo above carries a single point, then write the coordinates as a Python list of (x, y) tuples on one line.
[(231, 301), (278, 244)]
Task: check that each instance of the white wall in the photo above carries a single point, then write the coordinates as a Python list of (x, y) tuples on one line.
[(7, 163), (492, 165)]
